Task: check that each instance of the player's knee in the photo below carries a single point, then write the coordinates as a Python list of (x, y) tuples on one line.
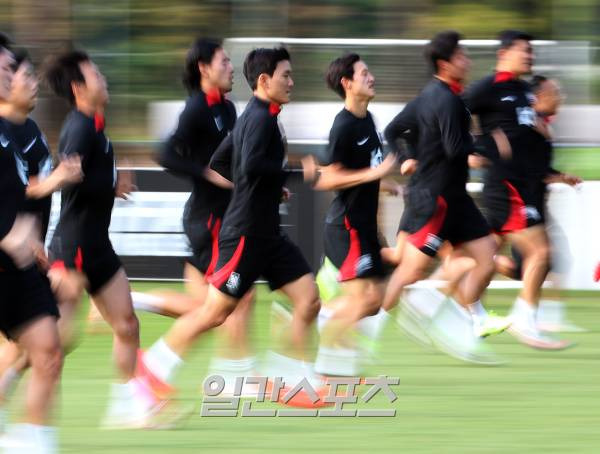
[(128, 328), (309, 305), (371, 303), (48, 363)]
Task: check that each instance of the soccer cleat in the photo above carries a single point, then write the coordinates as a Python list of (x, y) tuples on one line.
[(491, 324), (159, 388), (414, 325), (329, 287), (532, 337)]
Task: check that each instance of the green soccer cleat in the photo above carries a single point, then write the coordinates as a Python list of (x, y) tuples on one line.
[(491, 324)]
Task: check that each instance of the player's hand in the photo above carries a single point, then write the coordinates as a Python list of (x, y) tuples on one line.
[(21, 242), (571, 180), (409, 167), (502, 143), (125, 184), (476, 161), (69, 169)]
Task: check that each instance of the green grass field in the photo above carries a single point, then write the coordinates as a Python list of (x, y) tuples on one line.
[(541, 402)]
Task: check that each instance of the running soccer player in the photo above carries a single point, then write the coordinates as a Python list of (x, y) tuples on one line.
[(541, 173), (354, 166), (28, 310), (437, 206), (208, 118), (251, 242), (81, 252), (504, 102)]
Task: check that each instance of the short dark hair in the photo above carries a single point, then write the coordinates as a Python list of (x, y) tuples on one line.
[(508, 37), (263, 61), (536, 82), (21, 56), (62, 70), (202, 51), (339, 68), (441, 47)]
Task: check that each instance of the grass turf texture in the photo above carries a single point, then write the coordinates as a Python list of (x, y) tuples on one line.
[(544, 402)]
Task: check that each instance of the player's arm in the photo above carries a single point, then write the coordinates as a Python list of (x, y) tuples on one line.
[(257, 135), (68, 171), (335, 176), (178, 154), (454, 140), (218, 171)]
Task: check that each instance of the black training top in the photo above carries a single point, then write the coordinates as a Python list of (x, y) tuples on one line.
[(203, 124), (34, 150), (86, 207), (257, 172), (444, 141), (354, 143), (502, 101)]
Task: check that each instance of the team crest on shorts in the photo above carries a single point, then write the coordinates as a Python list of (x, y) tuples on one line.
[(433, 242), (364, 263), (233, 282)]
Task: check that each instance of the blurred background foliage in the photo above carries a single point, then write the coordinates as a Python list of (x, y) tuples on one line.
[(140, 44)]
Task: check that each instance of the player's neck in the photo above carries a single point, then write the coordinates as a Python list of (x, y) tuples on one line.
[(447, 79), (11, 113), (357, 106), (262, 95), (502, 67), (208, 87), (87, 108)]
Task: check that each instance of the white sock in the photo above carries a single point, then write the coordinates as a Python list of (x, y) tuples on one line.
[(8, 381), (477, 311), (146, 302), (36, 438), (232, 366), (324, 315), (372, 326), (162, 361)]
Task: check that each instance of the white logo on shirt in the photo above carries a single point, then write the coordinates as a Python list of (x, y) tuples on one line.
[(4, 141), (22, 169), (218, 123), (376, 157), (509, 98), (45, 168), (526, 116), (365, 262), (362, 141), (28, 147), (531, 212), (233, 282)]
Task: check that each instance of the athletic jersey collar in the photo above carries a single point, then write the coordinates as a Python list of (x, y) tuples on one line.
[(504, 76), (213, 97), (273, 107), (455, 87), (99, 122)]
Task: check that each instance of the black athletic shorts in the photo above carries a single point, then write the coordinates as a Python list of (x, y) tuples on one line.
[(99, 263), (510, 207), (25, 295), (355, 252), (243, 259), (203, 236), (430, 221)]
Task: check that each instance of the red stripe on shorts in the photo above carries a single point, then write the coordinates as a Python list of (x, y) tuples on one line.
[(516, 218), (433, 226), (221, 276), (348, 268)]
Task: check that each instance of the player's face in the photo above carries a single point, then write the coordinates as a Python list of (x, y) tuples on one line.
[(548, 98), (520, 57), (363, 82), (24, 88), (279, 86), (220, 71), (96, 90), (460, 64), (6, 73)]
